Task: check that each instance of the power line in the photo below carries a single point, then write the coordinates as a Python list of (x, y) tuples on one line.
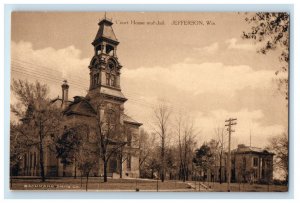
[(47, 68), (50, 77), (33, 67), (44, 77), (35, 71), (80, 87)]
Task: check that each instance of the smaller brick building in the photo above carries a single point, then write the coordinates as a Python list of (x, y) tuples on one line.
[(248, 164), (251, 164)]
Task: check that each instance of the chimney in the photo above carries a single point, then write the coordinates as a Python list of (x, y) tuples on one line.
[(65, 90)]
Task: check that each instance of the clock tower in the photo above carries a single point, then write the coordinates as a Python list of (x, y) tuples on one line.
[(105, 101), (105, 67)]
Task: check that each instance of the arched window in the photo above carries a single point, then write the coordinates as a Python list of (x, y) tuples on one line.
[(30, 161), (109, 50), (129, 139), (112, 80), (96, 79), (107, 79), (111, 74), (34, 160), (128, 160)]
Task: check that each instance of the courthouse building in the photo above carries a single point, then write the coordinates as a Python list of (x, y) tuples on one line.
[(104, 89)]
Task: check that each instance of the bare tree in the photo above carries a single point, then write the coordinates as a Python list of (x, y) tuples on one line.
[(19, 144), (146, 147), (280, 146), (152, 166), (39, 119), (109, 131), (162, 121), (220, 137), (86, 160), (186, 134), (125, 142), (67, 145)]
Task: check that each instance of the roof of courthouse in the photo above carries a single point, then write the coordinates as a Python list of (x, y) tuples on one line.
[(243, 149), (112, 92), (105, 32), (130, 120), (81, 106)]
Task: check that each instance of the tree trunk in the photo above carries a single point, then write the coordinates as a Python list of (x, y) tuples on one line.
[(186, 172), (120, 166), (75, 169), (183, 172), (163, 159), (11, 179), (87, 182), (152, 173), (41, 155), (81, 180), (157, 184), (64, 170), (220, 169), (105, 171)]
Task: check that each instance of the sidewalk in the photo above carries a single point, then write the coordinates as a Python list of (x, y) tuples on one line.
[(198, 186)]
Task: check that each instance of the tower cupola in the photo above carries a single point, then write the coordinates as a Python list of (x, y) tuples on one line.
[(105, 41), (105, 66)]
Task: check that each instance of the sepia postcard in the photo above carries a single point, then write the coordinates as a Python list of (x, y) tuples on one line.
[(149, 101)]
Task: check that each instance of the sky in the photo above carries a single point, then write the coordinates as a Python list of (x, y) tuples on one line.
[(205, 69)]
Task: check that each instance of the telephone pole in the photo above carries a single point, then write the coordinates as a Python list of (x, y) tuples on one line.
[(229, 123)]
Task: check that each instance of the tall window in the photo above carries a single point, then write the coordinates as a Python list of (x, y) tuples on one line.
[(112, 80), (111, 74), (128, 162), (25, 161), (34, 160), (255, 161), (129, 138), (96, 79), (255, 174), (107, 79), (30, 160), (244, 163), (109, 50)]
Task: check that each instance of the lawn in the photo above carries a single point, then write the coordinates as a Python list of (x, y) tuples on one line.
[(97, 184), (141, 184), (235, 187)]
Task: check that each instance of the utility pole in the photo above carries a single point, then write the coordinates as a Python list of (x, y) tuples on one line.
[(229, 123)]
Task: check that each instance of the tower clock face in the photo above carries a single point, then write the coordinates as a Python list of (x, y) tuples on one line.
[(111, 66)]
